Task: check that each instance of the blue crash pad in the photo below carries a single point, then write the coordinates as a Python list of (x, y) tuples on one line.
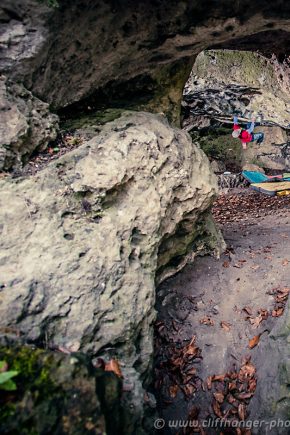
[(255, 177)]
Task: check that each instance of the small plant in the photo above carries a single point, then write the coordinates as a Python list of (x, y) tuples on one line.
[(6, 376)]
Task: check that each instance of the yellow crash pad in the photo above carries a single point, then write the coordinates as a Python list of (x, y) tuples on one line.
[(271, 188), (283, 193)]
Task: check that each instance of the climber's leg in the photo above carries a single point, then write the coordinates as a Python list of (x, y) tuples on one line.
[(259, 137)]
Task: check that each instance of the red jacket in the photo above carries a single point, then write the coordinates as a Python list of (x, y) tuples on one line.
[(245, 136)]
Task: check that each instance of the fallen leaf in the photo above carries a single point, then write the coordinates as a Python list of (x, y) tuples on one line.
[(191, 350), (219, 397), (226, 264), (206, 321), (252, 385), (232, 386), (248, 310), (90, 426), (226, 326), (242, 411), (246, 371), (209, 382), (254, 341), (244, 396), (216, 409), (281, 298), (173, 391), (284, 290), (177, 361), (264, 314), (232, 375), (278, 312), (282, 295), (255, 322), (188, 389), (113, 366), (220, 378), (285, 262), (174, 326), (255, 267), (230, 398)]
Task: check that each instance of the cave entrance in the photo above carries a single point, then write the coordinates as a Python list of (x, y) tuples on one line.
[(219, 319), (228, 83)]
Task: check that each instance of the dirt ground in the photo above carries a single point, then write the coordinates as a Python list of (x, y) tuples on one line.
[(226, 304)]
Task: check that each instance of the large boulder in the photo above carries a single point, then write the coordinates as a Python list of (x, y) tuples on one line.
[(273, 152), (25, 125), (84, 240)]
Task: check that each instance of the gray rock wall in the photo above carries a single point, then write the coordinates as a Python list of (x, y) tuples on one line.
[(26, 124), (125, 52)]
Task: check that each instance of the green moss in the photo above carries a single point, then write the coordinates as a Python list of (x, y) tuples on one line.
[(256, 162), (33, 383), (244, 67), (26, 362), (218, 144), (56, 393), (99, 117)]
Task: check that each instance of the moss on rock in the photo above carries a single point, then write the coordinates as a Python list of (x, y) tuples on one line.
[(57, 393), (99, 117), (230, 66), (218, 144)]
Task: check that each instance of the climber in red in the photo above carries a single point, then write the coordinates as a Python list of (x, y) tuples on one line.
[(246, 135)]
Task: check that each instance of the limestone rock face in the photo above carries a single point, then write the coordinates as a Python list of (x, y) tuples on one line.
[(217, 166), (23, 33), (224, 83), (83, 240), (273, 153), (227, 82), (25, 124), (252, 167), (140, 53)]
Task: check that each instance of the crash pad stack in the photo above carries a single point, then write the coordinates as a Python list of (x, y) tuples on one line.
[(269, 185)]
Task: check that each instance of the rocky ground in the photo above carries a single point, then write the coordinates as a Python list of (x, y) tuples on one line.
[(215, 315), (65, 142)]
